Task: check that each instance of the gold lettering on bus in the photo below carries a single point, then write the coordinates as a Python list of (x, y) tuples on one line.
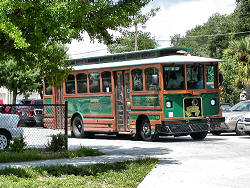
[(94, 100)]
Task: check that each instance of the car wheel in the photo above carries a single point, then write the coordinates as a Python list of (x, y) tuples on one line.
[(4, 140), (217, 133), (77, 127), (238, 131), (198, 136), (145, 131)]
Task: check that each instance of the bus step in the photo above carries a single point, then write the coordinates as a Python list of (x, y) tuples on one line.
[(124, 132)]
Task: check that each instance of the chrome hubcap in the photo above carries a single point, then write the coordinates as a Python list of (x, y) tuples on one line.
[(3, 142)]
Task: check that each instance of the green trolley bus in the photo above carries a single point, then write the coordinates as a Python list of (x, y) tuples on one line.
[(143, 93)]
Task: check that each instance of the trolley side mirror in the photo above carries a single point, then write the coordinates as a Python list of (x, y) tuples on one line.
[(220, 78)]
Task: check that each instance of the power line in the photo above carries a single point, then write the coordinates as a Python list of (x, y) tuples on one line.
[(162, 40), (212, 35), (89, 51)]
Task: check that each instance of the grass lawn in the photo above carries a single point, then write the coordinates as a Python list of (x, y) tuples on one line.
[(126, 174), (35, 154)]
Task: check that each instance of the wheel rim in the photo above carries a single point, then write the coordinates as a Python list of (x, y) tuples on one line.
[(78, 125), (3, 142), (146, 131)]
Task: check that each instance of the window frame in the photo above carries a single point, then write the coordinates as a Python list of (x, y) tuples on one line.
[(73, 81), (82, 73)]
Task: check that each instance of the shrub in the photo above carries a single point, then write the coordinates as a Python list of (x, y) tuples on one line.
[(17, 145), (58, 143)]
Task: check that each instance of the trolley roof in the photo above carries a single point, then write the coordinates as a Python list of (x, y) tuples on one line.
[(165, 59), (128, 56), (144, 57)]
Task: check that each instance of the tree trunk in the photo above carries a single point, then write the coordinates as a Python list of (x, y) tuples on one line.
[(14, 96), (40, 93), (248, 92)]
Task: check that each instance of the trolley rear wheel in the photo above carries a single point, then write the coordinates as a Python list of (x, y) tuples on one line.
[(145, 131), (77, 127)]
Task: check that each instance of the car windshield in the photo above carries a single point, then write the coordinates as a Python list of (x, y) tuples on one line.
[(225, 107), (40, 102), (241, 106)]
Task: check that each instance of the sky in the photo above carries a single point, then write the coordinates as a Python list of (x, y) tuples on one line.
[(174, 17)]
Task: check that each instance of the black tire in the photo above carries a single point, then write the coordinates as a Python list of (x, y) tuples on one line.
[(145, 131), (216, 133), (239, 132), (77, 129), (4, 140), (198, 135)]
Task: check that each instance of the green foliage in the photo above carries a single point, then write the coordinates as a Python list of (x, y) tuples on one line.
[(34, 154), (19, 80), (31, 32), (17, 145), (137, 40), (236, 70), (238, 60), (127, 174), (242, 16), (126, 42), (222, 36), (30, 25), (58, 143), (206, 40)]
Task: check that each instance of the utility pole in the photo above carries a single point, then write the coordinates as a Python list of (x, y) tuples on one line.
[(136, 37)]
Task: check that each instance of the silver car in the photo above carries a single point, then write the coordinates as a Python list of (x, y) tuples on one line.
[(232, 117), (244, 123), (9, 129)]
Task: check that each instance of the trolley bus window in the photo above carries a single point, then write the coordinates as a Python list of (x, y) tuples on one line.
[(174, 77), (137, 80), (106, 81), (48, 89), (195, 76), (212, 76), (70, 84), (81, 83), (94, 82), (149, 72)]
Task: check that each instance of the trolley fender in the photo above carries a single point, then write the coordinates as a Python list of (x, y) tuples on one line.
[(75, 114)]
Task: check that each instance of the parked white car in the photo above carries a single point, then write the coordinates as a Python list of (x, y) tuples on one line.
[(244, 123), (232, 117), (9, 129)]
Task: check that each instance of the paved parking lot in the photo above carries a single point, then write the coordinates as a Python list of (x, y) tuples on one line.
[(217, 161)]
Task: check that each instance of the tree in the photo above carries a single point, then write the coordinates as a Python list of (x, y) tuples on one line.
[(137, 40), (29, 78), (126, 42), (208, 39), (19, 81), (242, 16), (27, 27), (237, 67)]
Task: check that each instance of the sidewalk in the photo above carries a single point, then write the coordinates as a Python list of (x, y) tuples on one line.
[(81, 161)]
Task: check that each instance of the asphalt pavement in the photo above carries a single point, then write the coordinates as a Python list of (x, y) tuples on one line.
[(216, 162)]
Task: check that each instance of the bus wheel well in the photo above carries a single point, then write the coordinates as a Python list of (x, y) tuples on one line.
[(72, 118), (138, 124)]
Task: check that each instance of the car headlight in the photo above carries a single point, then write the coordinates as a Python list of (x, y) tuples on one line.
[(241, 119)]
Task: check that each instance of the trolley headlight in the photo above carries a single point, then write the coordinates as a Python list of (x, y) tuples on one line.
[(169, 104), (213, 102)]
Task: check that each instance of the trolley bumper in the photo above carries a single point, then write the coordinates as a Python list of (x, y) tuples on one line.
[(187, 126)]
